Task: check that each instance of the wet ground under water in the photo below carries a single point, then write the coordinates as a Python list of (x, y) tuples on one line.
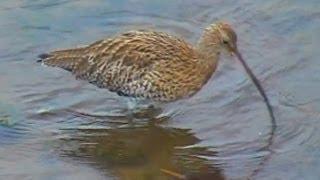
[(223, 132)]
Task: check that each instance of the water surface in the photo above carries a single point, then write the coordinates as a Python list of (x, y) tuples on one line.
[(223, 132)]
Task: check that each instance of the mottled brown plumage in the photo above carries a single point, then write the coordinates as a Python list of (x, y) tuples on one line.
[(148, 64)]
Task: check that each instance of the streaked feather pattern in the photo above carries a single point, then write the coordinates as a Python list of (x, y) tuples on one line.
[(143, 64)]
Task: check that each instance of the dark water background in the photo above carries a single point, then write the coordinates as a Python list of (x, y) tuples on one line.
[(220, 133)]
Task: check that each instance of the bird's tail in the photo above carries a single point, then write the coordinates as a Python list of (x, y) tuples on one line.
[(66, 59)]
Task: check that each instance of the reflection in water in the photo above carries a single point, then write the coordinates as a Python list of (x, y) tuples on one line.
[(140, 149), (276, 37), (9, 114)]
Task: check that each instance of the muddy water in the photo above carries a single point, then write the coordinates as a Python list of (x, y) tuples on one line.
[(223, 132)]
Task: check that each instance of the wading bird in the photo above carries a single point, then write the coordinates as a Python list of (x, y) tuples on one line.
[(152, 65)]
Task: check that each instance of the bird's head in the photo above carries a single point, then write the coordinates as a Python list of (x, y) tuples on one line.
[(227, 37), (218, 37)]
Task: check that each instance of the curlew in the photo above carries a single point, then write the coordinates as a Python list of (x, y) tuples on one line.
[(152, 65)]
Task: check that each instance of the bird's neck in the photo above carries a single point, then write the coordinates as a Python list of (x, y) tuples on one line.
[(209, 45)]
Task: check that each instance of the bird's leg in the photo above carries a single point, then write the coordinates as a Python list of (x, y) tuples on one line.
[(140, 109), (132, 104)]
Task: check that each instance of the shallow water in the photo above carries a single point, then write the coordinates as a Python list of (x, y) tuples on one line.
[(223, 132)]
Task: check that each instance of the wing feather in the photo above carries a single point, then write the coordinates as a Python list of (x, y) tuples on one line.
[(132, 64)]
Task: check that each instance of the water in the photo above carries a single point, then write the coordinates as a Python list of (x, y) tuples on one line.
[(223, 132)]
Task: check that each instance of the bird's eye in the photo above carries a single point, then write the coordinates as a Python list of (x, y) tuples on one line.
[(225, 42)]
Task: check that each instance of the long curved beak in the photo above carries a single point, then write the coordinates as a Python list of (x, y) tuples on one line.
[(257, 84)]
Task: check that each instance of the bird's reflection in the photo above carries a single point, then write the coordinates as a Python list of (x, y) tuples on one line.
[(143, 149)]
